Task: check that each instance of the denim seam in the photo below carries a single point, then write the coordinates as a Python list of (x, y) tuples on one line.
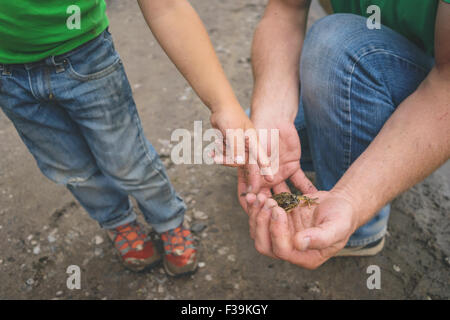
[(96, 75), (31, 86), (390, 53), (144, 146), (358, 57)]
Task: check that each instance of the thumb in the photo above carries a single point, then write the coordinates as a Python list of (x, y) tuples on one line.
[(316, 238), (302, 183)]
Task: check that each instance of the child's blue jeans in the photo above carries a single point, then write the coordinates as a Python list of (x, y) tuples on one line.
[(76, 114)]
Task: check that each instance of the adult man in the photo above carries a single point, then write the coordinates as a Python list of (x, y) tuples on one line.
[(372, 114)]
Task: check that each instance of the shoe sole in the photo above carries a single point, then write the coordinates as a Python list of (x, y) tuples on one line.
[(144, 267), (176, 275), (361, 252)]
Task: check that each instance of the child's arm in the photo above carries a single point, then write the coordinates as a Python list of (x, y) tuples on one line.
[(181, 34), (183, 37)]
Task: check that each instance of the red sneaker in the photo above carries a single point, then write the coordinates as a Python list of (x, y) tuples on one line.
[(180, 255), (134, 246)]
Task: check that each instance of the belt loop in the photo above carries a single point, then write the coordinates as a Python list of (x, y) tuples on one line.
[(59, 66), (6, 70)]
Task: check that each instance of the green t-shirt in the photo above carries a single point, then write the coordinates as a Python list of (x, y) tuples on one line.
[(32, 30), (414, 19)]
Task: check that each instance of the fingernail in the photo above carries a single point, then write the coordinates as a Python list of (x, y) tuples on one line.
[(249, 189), (305, 243)]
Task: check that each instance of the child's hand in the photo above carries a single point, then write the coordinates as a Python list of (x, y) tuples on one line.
[(240, 141)]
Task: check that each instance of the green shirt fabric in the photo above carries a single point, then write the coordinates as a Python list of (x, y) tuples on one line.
[(414, 19), (32, 30)]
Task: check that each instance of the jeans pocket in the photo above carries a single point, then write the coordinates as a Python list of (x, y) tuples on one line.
[(94, 60), (96, 74)]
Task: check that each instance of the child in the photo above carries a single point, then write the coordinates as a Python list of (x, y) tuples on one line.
[(63, 86)]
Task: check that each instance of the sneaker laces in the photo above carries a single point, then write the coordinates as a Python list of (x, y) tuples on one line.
[(177, 241), (129, 236)]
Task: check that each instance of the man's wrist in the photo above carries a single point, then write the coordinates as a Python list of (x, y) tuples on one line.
[(271, 116), (352, 198)]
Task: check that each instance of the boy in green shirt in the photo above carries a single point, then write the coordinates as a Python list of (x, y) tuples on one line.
[(63, 86)]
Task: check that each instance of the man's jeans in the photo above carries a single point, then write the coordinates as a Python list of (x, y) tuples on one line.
[(352, 80), (76, 114)]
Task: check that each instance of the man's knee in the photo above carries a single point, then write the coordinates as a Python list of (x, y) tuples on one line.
[(329, 41)]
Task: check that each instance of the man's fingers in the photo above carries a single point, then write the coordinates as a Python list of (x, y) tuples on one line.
[(263, 242), (282, 187), (242, 189), (254, 210), (263, 163), (279, 231), (253, 178), (302, 183)]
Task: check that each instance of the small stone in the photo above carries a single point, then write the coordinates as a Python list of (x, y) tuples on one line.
[(37, 249), (51, 238), (187, 218), (236, 286), (59, 293), (231, 257), (30, 282), (201, 264), (160, 288), (314, 288), (244, 60), (200, 215), (447, 260), (30, 237), (223, 250), (396, 268), (208, 277), (98, 240), (98, 252), (198, 227), (33, 242), (1, 261)]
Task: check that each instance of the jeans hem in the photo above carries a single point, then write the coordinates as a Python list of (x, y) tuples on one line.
[(366, 241), (168, 225), (127, 217)]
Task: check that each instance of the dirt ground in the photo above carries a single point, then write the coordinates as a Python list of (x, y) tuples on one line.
[(43, 229)]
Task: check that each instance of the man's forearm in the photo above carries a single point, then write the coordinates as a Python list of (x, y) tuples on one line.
[(183, 37), (275, 58), (412, 144)]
